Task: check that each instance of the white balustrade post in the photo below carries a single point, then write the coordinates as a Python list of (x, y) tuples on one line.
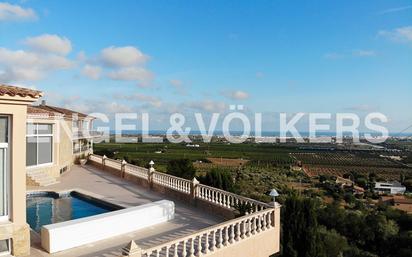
[(104, 161), (150, 172), (132, 250), (123, 169), (193, 189)]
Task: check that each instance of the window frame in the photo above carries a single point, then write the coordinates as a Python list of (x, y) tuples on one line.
[(6, 168), (37, 136)]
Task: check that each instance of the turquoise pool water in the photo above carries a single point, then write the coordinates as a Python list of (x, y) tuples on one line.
[(47, 208)]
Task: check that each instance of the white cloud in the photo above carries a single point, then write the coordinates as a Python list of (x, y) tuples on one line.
[(176, 82), (259, 74), (122, 56), (151, 100), (363, 108), (236, 95), (47, 43), (402, 34), (397, 9), (206, 105), (21, 65), (132, 74), (92, 72), (363, 53), (179, 87), (353, 53), (10, 12), (333, 56)]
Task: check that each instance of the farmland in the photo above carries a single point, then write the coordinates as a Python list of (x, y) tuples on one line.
[(260, 154), (339, 164)]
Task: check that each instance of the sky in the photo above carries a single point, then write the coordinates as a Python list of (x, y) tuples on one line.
[(201, 56)]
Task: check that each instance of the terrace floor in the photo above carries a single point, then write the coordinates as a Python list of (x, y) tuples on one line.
[(116, 190)]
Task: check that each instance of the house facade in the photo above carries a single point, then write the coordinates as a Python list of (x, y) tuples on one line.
[(14, 231), (389, 188), (55, 138), (37, 144)]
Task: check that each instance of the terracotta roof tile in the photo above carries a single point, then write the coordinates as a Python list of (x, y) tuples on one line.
[(20, 91), (53, 111)]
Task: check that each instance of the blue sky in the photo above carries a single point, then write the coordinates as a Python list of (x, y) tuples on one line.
[(189, 56)]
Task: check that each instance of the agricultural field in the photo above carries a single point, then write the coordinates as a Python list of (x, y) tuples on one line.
[(214, 153), (339, 164)]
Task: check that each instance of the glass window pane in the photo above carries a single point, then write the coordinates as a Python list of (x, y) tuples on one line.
[(31, 151), (44, 129), (2, 180), (30, 129), (3, 130), (4, 246), (45, 150)]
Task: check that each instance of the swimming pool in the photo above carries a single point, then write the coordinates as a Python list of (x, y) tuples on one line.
[(45, 208)]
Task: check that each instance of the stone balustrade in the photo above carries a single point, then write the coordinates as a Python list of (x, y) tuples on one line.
[(261, 223), (212, 239), (227, 199), (137, 171), (197, 191), (172, 182)]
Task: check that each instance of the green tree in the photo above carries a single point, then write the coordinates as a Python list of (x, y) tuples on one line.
[(300, 228), (182, 168), (333, 243), (219, 178)]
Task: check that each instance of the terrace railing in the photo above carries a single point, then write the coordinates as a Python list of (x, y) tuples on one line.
[(260, 218), (175, 183), (137, 171), (212, 239), (227, 199), (198, 191)]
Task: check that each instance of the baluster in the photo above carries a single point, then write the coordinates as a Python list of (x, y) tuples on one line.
[(264, 222), (247, 228), (220, 239), (167, 248), (226, 235), (243, 231), (237, 231), (192, 249), (232, 233), (184, 251), (176, 245), (207, 243), (270, 222), (213, 243), (220, 198), (259, 221)]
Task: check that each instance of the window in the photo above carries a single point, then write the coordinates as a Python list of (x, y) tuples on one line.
[(39, 144), (4, 247), (4, 167)]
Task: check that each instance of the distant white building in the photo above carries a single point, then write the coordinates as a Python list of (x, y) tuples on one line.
[(389, 188)]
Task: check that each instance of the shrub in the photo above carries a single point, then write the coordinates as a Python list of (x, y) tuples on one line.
[(182, 168), (219, 178)]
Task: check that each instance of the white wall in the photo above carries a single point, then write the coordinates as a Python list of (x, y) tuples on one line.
[(65, 235)]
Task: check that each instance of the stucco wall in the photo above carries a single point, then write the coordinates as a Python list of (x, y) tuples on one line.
[(16, 229)]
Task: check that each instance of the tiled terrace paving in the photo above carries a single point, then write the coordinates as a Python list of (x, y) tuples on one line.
[(203, 215)]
